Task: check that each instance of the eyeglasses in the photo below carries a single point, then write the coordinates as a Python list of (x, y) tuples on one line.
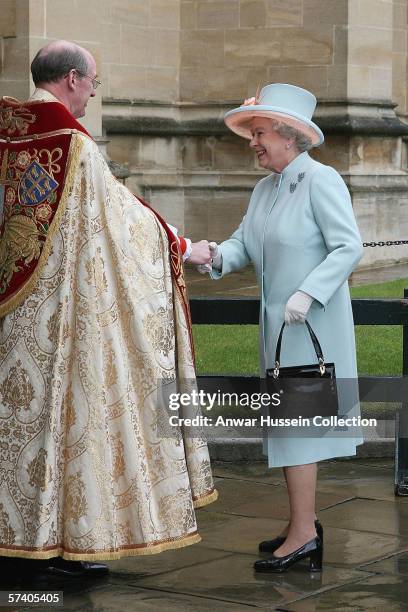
[(95, 82)]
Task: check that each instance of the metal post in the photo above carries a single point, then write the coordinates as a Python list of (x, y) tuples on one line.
[(401, 426)]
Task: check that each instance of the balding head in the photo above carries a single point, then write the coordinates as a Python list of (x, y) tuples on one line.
[(56, 59), (68, 72)]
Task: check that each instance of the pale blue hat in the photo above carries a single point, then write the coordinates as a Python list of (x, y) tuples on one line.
[(283, 102)]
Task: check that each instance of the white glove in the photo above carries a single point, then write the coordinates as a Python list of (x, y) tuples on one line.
[(216, 257), (216, 260), (204, 268), (297, 307)]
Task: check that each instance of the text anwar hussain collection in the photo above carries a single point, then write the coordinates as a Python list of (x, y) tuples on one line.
[(267, 421)]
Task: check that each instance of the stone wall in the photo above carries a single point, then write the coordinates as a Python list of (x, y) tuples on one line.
[(27, 25), (350, 53), (253, 42), (14, 48), (140, 54), (171, 68)]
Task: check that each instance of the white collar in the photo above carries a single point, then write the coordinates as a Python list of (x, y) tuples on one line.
[(44, 95)]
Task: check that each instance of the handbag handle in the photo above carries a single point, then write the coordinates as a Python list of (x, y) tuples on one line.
[(316, 346)]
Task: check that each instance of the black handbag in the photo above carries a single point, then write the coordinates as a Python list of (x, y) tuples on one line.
[(306, 390)]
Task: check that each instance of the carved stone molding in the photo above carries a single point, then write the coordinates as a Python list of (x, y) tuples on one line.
[(354, 116)]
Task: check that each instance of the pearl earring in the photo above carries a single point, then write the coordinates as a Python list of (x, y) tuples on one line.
[(288, 146)]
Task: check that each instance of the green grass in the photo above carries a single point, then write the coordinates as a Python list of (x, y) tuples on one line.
[(222, 349), (234, 348), (391, 289), (379, 347), (379, 350)]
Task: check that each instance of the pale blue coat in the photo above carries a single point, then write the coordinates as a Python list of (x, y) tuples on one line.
[(300, 233)]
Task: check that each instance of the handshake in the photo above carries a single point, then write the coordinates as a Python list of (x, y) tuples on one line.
[(205, 256)]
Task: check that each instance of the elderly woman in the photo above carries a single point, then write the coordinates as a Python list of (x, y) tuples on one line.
[(301, 235)]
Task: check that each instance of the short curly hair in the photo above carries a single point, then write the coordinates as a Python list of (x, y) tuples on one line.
[(301, 140)]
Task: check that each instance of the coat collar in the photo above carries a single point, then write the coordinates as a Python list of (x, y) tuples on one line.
[(294, 172), (295, 165)]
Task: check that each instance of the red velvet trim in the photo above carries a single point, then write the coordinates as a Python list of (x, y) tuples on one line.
[(36, 117), (183, 244)]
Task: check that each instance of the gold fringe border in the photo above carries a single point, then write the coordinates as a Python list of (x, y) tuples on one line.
[(72, 162), (148, 549), (151, 549), (200, 502)]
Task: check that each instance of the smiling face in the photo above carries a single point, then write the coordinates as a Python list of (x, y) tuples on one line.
[(273, 150)]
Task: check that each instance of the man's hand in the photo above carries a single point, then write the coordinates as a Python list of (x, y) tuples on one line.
[(297, 307), (200, 253), (216, 260)]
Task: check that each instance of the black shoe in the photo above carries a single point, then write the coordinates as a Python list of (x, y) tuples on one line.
[(57, 566), (312, 550), (41, 570), (269, 546)]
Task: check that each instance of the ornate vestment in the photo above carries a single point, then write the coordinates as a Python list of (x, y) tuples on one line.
[(93, 319)]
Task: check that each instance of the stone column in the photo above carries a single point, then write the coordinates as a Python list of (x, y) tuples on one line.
[(362, 119), (140, 69), (14, 49), (27, 25)]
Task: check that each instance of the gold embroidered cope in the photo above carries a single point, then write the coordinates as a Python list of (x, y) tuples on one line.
[(88, 466)]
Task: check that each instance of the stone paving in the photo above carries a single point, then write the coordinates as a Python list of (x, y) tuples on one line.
[(365, 558)]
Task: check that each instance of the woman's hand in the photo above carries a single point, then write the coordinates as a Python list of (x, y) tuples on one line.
[(297, 307), (216, 257)]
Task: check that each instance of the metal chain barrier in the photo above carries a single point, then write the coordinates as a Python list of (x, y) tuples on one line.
[(386, 243)]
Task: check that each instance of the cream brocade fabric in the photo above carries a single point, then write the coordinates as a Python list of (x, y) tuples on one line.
[(86, 471)]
